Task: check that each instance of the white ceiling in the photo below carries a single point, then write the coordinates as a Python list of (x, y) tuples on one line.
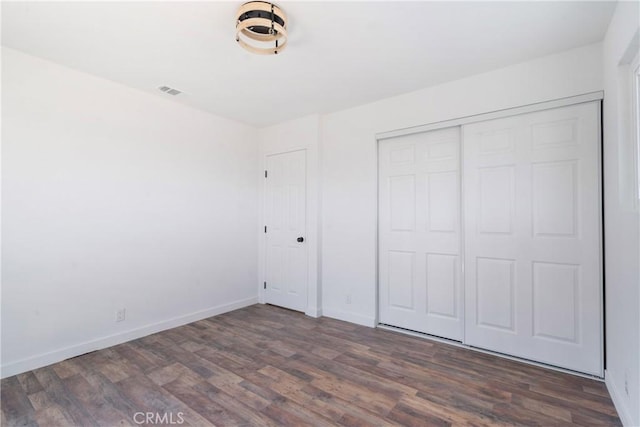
[(340, 54)]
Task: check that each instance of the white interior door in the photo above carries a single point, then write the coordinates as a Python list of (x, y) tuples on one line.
[(286, 246), (419, 233), (532, 236)]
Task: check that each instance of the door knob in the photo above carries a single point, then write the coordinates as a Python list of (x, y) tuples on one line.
[(300, 239)]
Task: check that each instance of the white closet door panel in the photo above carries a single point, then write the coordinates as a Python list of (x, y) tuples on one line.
[(419, 233), (532, 237)]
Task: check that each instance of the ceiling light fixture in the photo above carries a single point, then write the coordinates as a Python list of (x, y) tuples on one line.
[(261, 28)]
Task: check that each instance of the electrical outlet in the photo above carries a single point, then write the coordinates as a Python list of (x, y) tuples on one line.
[(121, 314), (348, 299)]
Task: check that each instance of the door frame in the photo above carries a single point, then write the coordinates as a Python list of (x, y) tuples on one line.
[(530, 108), (311, 226)]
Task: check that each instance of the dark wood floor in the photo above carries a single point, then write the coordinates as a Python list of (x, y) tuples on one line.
[(264, 365)]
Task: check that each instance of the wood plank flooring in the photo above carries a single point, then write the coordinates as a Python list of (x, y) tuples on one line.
[(264, 365)]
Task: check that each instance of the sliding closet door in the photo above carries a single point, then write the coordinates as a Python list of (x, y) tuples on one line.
[(532, 236), (419, 233)]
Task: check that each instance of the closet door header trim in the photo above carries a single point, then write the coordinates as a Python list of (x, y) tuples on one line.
[(539, 106)]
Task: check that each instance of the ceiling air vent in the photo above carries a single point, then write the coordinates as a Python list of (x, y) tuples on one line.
[(170, 90)]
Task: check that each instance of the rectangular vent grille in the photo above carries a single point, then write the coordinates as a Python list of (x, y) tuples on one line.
[(170, 90)]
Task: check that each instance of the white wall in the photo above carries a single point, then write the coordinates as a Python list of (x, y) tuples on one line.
[(116, 198), (302, 133), (622, 220), (349, 160)]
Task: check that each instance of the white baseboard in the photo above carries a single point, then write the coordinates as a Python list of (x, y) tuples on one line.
[(24, 365), (348, 316), (313, 312), (618, 402)]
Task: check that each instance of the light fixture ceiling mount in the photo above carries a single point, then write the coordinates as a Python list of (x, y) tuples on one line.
[(261, 27)]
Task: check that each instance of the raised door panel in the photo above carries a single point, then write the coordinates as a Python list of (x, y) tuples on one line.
[(402, 202), (495, 288), (496, 193), (556, 299), (402, 279), (442, 285), (555, 199), (443, 201)]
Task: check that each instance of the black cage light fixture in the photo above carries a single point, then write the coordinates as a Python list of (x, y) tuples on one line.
[(261, 27)]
